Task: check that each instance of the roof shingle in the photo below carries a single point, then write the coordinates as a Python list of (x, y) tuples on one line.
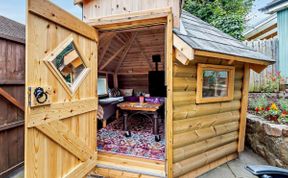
[(12, 30), (203, 36)]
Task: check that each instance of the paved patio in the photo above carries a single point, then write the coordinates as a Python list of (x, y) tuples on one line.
[(232, 169), (236, 168)]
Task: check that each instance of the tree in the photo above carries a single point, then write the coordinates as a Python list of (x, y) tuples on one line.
[(226, 15)]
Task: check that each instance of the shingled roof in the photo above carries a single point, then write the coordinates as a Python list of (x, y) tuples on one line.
[(12, 30), (202, 36)]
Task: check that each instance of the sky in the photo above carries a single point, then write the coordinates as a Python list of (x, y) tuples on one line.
[(15, 9)]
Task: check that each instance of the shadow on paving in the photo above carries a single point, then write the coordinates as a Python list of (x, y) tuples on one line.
[(236, 168)]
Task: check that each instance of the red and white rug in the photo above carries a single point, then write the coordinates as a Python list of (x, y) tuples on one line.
[(141, 144)]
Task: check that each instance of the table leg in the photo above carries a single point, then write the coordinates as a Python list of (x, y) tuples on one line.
[(155, 124), (125, 118), (125, 125), (155, 127)]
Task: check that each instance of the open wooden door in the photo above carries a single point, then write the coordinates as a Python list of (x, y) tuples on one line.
[(61, 99)]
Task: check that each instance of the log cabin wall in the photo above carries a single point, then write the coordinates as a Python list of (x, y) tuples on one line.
[(203, 134), (128, 55), (12, 86)]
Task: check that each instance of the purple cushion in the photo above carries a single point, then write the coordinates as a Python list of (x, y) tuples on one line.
[(156, 100), (131, 98)]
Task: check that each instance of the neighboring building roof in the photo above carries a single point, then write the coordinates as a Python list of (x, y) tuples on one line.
[(275, 6), (265, 29), (12, 30), (203, 36)]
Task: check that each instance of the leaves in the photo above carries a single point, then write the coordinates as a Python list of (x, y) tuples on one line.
[(226, 15)]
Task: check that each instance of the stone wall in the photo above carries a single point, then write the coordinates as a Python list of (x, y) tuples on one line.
[(268, 140)]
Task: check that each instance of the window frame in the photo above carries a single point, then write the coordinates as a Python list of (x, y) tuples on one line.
[(103, 77), (199, 90)]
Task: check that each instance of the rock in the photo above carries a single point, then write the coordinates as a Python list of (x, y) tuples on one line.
[(272, 130), (268, 140), (285, 132)]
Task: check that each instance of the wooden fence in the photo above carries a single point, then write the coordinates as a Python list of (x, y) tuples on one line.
[(12, 58), (270, 48)]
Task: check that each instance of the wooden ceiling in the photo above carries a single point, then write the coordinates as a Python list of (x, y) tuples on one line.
[(130, 51)]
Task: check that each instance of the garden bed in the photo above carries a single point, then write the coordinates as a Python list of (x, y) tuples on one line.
[(272, 107), (268, 139)]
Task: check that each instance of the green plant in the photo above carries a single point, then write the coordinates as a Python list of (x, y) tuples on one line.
[(272, 84), (226, 15), (259, 104)]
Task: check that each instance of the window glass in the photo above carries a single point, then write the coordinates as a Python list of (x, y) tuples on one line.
[(69, 64), (215, 83), (102, 86)]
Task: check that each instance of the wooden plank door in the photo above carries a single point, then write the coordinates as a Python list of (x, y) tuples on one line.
[(61, 64)]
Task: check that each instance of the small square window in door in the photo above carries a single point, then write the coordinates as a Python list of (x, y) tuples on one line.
[(68, 65)]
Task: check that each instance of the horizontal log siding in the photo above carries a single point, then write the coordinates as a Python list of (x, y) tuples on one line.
[(202, 133)]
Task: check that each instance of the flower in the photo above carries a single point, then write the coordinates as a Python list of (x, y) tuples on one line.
[(257, 109), (268, 108), (274, 107)]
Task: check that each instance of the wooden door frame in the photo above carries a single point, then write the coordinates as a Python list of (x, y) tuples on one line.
[(135, 20)]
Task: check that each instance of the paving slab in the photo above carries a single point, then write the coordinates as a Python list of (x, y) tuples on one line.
[(236, 168)]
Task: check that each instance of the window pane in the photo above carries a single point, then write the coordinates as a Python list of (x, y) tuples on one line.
[(69, 64), (102, 86), (215, 83)]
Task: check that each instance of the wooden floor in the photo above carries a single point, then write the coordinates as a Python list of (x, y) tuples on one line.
[(121, 164)]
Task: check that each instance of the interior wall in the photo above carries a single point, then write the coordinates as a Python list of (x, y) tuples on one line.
[(202, 133), (136, 82), (128, 54)]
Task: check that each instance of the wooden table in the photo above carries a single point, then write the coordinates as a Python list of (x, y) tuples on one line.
[(132, 108)]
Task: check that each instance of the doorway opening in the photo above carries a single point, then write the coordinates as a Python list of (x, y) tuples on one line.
[(132, 93)]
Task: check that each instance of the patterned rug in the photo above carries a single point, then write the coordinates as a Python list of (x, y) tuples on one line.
[(141, 144)]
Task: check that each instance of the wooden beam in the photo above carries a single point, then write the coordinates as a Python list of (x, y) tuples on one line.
[(51, 12), (82, 169), (130, 17), (58, 111), (132, 39), (62, 135), (169, 105), (11, 99), (183, 47), (11, 125), (123, 42), (231, 57), (181, 57), (244, 105), (112, 57), (258, 68), (143, 54), (106, 47)]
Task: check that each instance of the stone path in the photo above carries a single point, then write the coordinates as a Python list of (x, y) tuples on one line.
[(236, 168), (232, 169)]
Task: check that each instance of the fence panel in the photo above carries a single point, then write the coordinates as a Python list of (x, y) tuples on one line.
[(270, 48)]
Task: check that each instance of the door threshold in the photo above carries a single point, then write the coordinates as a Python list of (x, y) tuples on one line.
[(131, 164)]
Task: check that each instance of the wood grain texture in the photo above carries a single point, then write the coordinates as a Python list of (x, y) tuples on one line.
[(200, 129), (244, 105), (46, 157), (12, 81)]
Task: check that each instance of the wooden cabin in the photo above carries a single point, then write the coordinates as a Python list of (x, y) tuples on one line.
[(169, 89)]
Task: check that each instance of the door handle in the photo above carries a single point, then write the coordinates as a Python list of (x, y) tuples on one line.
[(40, 95)]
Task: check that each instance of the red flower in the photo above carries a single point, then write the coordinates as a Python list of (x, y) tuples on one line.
[(284, 112), (268, 108), (257, 109)]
